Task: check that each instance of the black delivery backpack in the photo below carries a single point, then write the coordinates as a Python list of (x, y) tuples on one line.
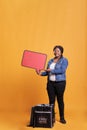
[(42, 115)]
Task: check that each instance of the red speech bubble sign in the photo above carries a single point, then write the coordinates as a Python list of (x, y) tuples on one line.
[(34, 60)]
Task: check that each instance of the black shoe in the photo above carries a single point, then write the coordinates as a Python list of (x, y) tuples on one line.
[(63, 121)]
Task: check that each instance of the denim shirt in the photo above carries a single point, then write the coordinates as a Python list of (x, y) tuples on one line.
[(59, 71)]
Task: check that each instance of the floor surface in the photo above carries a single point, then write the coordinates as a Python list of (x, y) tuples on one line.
[(76, 120)]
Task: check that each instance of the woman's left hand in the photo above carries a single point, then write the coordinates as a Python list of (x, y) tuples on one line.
[(48, 70)]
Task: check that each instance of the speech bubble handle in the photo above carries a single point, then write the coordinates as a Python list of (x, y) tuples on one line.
[(37, 71)]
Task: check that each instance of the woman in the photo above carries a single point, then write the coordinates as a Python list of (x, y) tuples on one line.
[(56, 72)]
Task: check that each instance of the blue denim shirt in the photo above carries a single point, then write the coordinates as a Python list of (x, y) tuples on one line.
[(59, 71)]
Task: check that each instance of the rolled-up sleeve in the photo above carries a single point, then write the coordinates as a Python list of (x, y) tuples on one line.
[(44, 73)]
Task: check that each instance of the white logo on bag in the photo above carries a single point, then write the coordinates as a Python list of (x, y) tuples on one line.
[(42, 120)]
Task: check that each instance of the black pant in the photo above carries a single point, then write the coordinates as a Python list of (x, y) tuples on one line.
[(56, 90)]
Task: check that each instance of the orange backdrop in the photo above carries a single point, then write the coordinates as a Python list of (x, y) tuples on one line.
[(39, 25)]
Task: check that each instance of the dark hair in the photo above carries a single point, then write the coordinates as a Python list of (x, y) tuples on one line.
[(60, 47)]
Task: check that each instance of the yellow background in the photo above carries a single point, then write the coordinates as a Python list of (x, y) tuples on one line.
[(39, 25)]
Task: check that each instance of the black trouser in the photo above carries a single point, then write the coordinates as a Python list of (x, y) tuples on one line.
[(56, 90)]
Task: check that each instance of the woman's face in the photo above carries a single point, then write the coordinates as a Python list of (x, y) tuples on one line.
[(57, 52)]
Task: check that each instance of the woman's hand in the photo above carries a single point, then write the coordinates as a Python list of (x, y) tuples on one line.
[(48, 70)]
